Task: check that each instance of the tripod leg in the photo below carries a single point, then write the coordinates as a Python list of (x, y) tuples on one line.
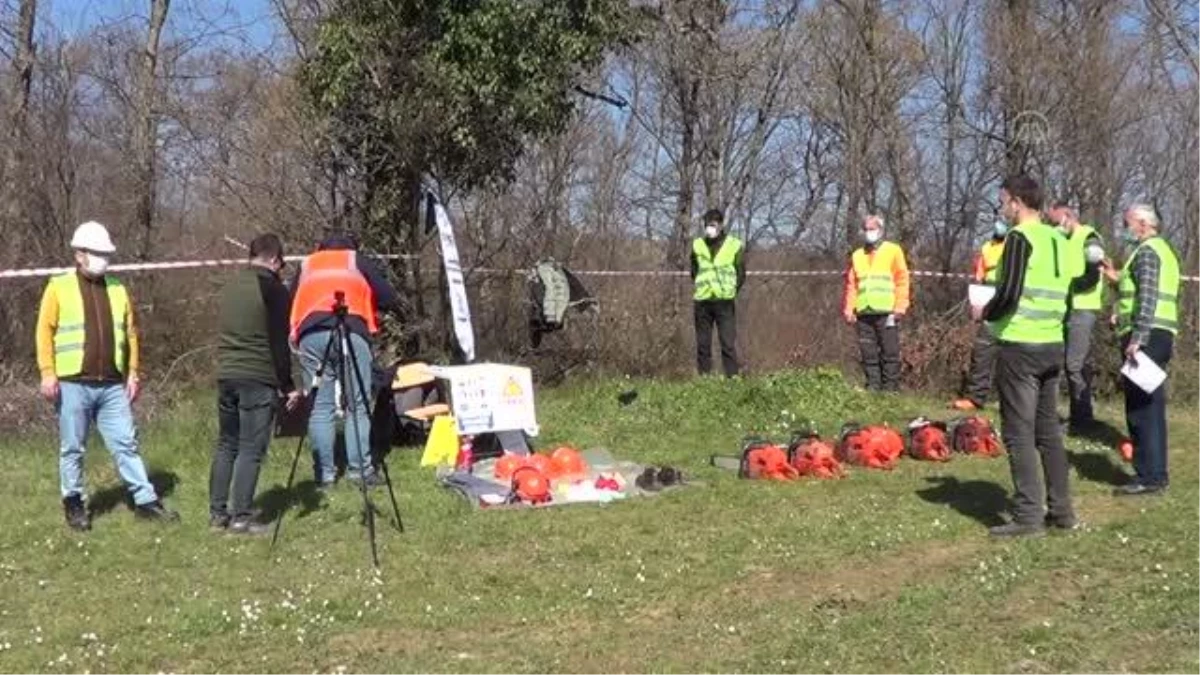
[(349, 363), (312, 394), (286, 490), (392, 494)]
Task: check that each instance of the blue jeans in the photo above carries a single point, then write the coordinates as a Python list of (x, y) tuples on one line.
[(321, 420), (79, 404), (1146, 414)]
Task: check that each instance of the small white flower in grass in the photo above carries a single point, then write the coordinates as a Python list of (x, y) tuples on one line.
[(1046, 624), (588, 594), (732, 630)]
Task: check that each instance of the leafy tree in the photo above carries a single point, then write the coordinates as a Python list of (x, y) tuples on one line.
[(452, 88)]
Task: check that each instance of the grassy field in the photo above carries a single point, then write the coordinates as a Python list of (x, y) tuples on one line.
[(882, 571)]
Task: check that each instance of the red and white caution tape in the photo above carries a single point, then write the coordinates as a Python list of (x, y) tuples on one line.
[(229, 262), (170, 265)]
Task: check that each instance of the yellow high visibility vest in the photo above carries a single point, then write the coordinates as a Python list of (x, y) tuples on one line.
[(876, 286), (69, 335)]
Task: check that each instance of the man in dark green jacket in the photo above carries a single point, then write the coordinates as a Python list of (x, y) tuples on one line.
[(254, 369)]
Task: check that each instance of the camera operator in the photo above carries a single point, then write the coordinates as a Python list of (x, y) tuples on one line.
[(336, 267)]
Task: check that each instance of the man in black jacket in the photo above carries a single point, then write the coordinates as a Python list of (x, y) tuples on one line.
[(254, 368)]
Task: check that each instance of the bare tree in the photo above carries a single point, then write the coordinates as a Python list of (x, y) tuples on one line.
[(18, 110), (145, 131)]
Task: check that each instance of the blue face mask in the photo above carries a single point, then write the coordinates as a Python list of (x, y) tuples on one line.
[(1128, 236), (1000, 229)]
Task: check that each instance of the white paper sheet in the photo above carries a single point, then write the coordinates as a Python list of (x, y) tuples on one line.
[(980, 295), (1144, 372)]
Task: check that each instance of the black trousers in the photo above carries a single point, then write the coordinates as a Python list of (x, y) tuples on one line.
[(880, 347), (1146, 414), (983, 359), (245, 413), (1027, 385), (723, 314)]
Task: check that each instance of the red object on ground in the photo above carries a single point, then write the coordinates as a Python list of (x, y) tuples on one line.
[(814, 457), (769, 462), (507, 464), (976, 436), (466, 454), (1125, 447), (929, 443), (531, 485), (607, 483), (875, 447), (543, 464), (568, 463)]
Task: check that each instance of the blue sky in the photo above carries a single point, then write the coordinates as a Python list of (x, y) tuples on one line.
[(241, 24)]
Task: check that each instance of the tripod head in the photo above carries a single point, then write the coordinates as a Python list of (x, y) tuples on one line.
[(339, 304)]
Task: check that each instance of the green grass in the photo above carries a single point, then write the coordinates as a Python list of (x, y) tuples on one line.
[(882, 571)]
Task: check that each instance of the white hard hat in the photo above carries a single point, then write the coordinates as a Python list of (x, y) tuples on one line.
[(92, 236)]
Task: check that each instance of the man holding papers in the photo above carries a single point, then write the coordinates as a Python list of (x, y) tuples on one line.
[(1146, 321), (983, 353), (1027, 315)]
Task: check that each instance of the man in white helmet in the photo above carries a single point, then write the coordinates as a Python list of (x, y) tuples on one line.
[(87, 351)]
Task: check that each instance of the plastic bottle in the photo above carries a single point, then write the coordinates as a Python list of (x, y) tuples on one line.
[(466, 455)]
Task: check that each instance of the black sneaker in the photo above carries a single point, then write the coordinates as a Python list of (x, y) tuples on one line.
[(218, 522), (648, 480), (1017, 530), (76, 514), (1138, 489), (249, 526), (155, 511), (1062, 524)]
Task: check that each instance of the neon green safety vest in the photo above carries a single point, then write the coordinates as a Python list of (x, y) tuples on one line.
[(1093, 299), (716, 278), (1042, 306), (1166, 312), (69, 335), (873, 274)]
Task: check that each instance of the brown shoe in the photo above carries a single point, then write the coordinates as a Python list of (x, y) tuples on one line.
[(964, 404)]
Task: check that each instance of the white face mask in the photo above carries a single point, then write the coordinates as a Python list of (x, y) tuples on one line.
[(95, 265), (711, 231), (873, 236)]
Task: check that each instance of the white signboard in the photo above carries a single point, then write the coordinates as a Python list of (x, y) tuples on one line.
[(459, 309), (490, 397)]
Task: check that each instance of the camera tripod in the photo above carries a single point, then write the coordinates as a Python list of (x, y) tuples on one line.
[(343, 365)]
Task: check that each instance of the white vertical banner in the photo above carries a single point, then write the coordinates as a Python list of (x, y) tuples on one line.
[(459, 309)]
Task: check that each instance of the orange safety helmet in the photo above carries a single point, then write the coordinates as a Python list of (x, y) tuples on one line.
[(568, 463), (927, 440), (508, 463), (975, 435), (530, 485), (543, 464)]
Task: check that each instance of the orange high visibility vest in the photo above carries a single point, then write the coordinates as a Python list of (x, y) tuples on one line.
[(321, 275)]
